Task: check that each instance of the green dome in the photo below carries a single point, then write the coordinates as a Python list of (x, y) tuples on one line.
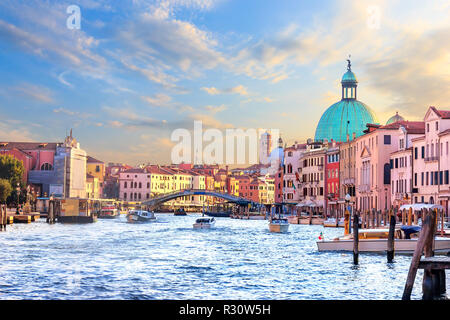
[(349, 76), (345, 116), (395, 118)]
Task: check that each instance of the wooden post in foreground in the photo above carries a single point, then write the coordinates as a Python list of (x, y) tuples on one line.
[(3, 217), (427, 229), (409, 216), (346, 222), (391, 241), (355, 237)]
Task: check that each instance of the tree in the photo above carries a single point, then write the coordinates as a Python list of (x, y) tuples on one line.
[(5, 190), (11, 169)]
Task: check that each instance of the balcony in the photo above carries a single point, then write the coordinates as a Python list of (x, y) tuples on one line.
[(320, 167), (364, 188), (430, 159), (348, 181)]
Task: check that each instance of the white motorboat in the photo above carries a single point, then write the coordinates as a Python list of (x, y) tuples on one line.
[(140, 216), (331, 222), (204, 223), (279, 225), (375, 240)]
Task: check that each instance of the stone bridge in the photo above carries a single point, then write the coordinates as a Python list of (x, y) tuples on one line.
[(158, 200)]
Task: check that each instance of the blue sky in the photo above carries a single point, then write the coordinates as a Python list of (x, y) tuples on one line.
[(137, 70)]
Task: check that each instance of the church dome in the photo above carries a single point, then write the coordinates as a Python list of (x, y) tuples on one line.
[(349, 76), (347, 116), (395, 118)]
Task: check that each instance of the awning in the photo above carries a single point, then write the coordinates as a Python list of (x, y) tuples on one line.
[(420, 206)]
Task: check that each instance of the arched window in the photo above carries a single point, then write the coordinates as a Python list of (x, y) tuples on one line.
[(46, 166)]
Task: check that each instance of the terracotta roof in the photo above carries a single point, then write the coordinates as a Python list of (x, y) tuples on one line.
[(158, 170), (443, 133), (2, 151), (135, 170), (444, 114), (29, 145), (417, 127), (93, 160)]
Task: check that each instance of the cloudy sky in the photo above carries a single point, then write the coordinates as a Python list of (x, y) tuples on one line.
[(138, 69)]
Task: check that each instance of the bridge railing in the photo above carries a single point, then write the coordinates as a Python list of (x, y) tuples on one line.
[(188, 192)]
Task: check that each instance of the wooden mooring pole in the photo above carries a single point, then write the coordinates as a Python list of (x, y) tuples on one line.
[(3, 216), (426, 234), (355, 237), (391, 241)]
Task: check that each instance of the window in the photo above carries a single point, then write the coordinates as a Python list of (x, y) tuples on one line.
[(437, 125), (423, 152), (46, 167), (428, 127), (415, 153), (125, 185), (387, 139), (387, 173), (97, 168)]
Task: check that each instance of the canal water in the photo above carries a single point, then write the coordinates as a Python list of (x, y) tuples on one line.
[(168, 259)]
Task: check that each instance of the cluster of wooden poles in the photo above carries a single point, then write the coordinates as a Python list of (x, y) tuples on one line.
[(3, 217), (375, 219), (54, 208), (434, 269)]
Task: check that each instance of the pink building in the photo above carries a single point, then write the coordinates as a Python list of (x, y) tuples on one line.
[(401, 162), (372, 166), (432, 159), (134, 185)]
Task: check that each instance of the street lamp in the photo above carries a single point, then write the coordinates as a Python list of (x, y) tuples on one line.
[(18, 193)]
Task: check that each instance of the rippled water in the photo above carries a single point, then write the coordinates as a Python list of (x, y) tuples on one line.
[(168, 259)]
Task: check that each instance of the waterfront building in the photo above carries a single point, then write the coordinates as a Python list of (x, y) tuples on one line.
[(372, 167), (291, 190), (332, 177), (96, 168), (93, 189), (401, 161), (347, 116), (312, 182), (347, 165), (111, 184), (52, 168), (135, 184), (431, 159)]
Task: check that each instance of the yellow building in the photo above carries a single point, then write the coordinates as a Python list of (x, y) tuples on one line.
[(92, 187), (96, 168)]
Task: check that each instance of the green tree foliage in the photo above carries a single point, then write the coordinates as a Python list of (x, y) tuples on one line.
[(11, 169), (5, 190)]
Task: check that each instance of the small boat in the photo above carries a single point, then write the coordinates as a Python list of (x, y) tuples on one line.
[(108, 213), (331, 222), (180, 212), (280, 225), (140, 216), (204, 223), (218, 214), (375, 240)]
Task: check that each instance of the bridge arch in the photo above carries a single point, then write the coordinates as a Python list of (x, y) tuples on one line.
[(157, 201)]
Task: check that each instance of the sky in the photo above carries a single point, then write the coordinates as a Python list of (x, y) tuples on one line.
[(137, 70)]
